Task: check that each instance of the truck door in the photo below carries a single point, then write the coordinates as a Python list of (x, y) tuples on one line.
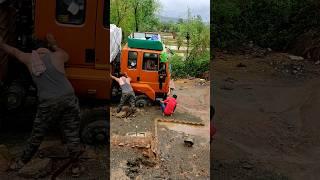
[(149, 69), (131, 63), (81, 28), (102, 34), (73, 23)]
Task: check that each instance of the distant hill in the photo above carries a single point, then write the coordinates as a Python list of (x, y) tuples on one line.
[(167, 19)]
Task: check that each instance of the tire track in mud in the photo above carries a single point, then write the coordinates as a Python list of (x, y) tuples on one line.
[(310, 115)]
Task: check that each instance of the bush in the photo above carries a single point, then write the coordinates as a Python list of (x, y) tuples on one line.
[(178, 67), (195, 66), (268, 23)]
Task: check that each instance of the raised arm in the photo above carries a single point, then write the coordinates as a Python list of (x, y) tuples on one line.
[(59, 52), (129, 78), (114, 78), (21, 56)]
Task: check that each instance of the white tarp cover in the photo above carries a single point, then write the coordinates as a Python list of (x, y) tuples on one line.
[(115, 41)]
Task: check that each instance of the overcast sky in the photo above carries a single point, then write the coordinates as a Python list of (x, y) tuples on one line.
[(178, 8)]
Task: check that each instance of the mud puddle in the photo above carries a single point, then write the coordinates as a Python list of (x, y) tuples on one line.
[(201, 131)]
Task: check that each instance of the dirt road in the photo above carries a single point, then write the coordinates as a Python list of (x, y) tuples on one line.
[(175, 160), (267, 118)]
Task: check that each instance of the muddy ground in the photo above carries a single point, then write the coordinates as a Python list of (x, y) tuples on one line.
[(93, 161), (267, 116), (13, 138), (175, 160)]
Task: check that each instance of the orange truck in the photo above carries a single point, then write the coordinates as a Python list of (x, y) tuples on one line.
[(142, 59), (82, 28)]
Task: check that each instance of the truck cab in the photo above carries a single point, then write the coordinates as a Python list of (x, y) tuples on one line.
[(141, 60), (149, 75), (81, 28)]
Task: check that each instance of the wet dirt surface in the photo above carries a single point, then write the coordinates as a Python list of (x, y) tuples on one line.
[(175, 160), (94, 160), (267, 120)]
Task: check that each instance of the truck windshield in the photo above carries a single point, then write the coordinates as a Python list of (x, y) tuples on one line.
[(150, 62)]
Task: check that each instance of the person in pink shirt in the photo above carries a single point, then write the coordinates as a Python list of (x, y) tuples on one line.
[(169, 105)]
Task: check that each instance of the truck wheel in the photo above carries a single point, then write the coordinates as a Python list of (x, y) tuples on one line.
[(142, 101), (94, 126), (96, 133), (14, 96)]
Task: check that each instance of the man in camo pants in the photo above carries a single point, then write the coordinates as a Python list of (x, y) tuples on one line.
[(127, 92), (57, 101)]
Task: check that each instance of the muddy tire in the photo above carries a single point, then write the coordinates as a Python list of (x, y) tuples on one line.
[(95, 127), (142, 101), (14, 96), (96, 133)]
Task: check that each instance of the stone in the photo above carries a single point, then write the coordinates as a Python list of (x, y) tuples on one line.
[(121, 114), (145, 154), (148, 162), (295, 58)]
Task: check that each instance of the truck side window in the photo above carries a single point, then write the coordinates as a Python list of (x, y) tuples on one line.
[(70, 11), (106, 14), (132, 60), (150, 62)]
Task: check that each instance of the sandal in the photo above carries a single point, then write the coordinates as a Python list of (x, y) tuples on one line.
[(16, 165)]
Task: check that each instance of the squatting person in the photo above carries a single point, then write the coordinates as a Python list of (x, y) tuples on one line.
[(57, 101), (169, 105)]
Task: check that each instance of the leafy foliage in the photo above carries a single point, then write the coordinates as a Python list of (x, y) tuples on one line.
[(194, 67), (268, 23), (139, 15), (178, 67), (134, 15)]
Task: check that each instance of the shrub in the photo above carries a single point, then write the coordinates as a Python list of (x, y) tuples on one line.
[(195, 66)]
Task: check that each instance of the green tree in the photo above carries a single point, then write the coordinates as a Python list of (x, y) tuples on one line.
[(268, 23), (144, 13), (134, 15), (119, 11)]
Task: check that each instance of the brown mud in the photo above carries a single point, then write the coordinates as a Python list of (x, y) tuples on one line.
[(267, 118), (175, 160)]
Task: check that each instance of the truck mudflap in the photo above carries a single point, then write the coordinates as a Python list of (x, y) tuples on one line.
[(144, 89)]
